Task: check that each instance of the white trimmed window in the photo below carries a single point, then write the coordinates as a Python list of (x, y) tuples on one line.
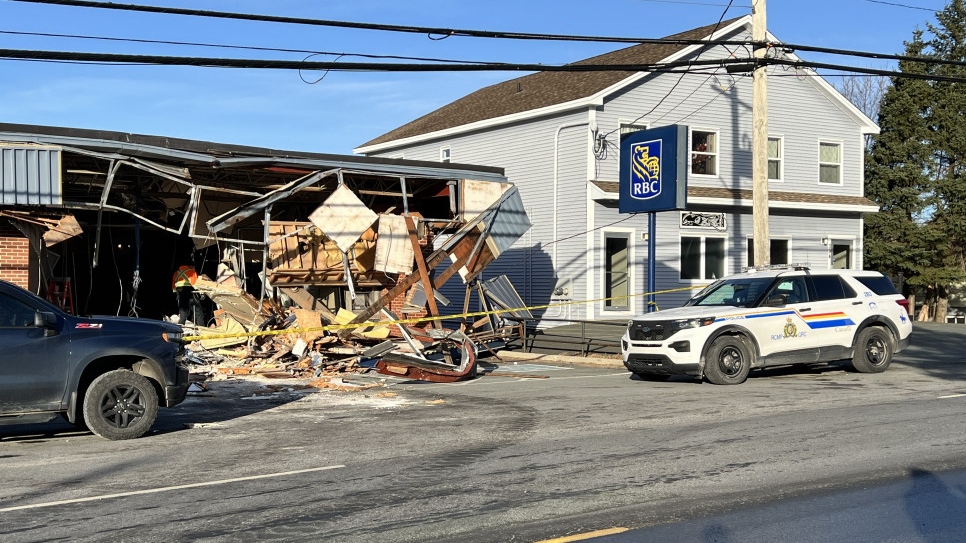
[(777, 247), (445, 154), (630, 128), (702, 258), (704, 152), (776, 158), (830, 163)]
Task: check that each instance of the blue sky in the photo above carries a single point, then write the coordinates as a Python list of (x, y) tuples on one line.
[(277, 109)]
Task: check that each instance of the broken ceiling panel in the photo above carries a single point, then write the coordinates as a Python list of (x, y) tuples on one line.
[(394, 250), (300, 254), (477, 196), (343, 217)]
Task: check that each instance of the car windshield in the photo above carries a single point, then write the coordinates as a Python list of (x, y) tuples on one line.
[(738, 292)]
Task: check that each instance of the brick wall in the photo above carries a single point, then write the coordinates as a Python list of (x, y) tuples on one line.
[(14, 256)]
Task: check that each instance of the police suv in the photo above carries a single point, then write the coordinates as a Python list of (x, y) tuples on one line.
[(776, 316)]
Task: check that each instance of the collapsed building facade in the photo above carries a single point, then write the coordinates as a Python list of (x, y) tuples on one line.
[(99, 221)]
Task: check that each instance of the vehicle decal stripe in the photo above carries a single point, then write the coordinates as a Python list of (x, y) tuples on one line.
[(813, 320), (830, 323)]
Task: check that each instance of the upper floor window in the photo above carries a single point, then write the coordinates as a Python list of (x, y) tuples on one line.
[(775, 158), (830, 163), (630, 128), (704, 152), (445, 154)]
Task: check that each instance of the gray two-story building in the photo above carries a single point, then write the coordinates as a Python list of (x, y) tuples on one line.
[(557, 135)]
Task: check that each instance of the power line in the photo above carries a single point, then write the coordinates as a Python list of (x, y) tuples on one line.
[(691, 3), (901, 5), (430, 31), (735, 65), (447, 32), (229, 46), (678, 82), (21, 54)]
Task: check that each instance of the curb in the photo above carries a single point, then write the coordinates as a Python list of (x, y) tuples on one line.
[(563, 360)]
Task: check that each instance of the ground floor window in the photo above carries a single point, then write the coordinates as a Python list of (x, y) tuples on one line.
[(841, 255), (702, 257), (616, 271), (777, 247)]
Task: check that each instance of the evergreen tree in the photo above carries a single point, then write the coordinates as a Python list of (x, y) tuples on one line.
[(947, 144), (916, 166), (896, 175)]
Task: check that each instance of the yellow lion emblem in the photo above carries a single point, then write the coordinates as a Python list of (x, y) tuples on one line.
[(645, 166)]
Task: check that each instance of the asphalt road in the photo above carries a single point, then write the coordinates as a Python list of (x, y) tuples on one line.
[(505, 458)]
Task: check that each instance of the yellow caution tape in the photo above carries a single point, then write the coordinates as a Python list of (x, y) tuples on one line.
[(419, 320)]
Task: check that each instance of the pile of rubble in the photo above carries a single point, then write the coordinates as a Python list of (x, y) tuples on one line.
[(263, 338), (374, 250)]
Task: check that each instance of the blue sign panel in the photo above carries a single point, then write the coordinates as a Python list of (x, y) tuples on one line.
[(653, 170)]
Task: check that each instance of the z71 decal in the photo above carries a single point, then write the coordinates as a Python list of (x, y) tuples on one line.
[(89, 325)]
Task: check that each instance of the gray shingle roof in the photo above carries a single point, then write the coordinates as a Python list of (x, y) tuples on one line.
[(541, 89)]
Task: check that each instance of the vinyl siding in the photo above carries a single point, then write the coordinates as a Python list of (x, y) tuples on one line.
[(805, 243), (526, 152), (799, 112)]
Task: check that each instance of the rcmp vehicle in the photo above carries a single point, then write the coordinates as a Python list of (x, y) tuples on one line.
[(771, 317), (108, 374)]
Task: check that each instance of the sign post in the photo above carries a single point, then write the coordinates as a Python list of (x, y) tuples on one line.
[(654, 177)]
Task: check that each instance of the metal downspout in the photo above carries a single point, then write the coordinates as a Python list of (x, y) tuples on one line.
[(556, 183)]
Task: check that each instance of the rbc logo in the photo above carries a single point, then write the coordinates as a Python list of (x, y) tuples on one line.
[(645, 169)]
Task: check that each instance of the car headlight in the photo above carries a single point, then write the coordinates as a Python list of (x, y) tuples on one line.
[(172, 337), (691, 323)]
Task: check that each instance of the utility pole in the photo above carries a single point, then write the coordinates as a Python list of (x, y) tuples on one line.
[(759, 150)]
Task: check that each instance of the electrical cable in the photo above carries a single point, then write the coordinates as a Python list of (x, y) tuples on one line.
[(900, 5), (629, 217), (24, 54), (447, 32), (430, 31), (229, 46), (678, 82)]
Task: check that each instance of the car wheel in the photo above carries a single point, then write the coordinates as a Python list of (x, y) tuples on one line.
[(873, 350), (728, 361), (120, 404)]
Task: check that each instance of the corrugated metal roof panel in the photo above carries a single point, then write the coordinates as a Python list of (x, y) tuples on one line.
[(509, 222), (30, 175)]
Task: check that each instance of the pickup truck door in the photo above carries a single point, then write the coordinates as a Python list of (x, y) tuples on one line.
[(33, 366)]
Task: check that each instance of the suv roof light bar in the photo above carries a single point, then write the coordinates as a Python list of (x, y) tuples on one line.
[(797, 266)]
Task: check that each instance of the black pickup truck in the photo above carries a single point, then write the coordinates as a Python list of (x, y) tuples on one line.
[(107, 374)]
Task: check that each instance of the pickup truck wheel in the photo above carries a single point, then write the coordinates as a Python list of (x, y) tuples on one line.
[(120, 404), (728, 361), (873, 350)]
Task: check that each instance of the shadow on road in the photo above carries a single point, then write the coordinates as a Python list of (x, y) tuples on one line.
[(937, 511), (938, 350), (220, 402)]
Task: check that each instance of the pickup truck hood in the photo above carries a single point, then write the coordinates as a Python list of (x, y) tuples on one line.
[(109, 322)]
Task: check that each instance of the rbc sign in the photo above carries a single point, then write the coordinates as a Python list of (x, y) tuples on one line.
[(653, 170)]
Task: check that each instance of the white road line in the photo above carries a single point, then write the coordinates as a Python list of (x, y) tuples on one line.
[(167, 489), (952, 396)]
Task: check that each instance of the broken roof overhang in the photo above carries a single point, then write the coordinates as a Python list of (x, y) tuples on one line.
[(201, 172)]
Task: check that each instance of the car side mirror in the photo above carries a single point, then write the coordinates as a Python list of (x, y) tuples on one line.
[(777, 300), (47, 321)]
